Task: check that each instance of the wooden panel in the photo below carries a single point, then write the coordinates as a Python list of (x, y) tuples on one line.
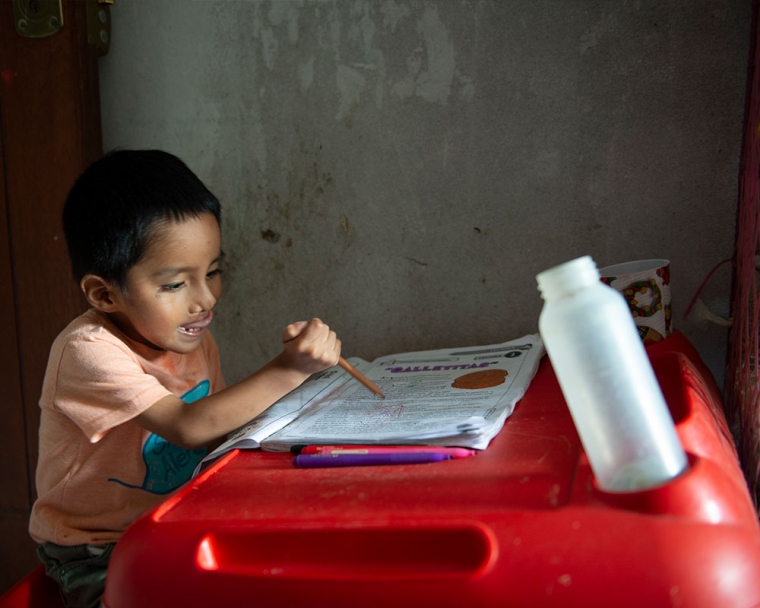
[(18, 557), (49, 127), (50, 120), (14, 486)]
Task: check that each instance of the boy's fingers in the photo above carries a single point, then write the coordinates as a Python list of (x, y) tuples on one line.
[(314, 331), (294, 330), (311, 334), (313, 345)]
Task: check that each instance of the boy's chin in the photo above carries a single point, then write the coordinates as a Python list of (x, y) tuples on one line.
[(179, 345), (184, 344)]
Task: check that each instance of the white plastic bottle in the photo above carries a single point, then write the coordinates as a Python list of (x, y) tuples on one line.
[(607, 380)]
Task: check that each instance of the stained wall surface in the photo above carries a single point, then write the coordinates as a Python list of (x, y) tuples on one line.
[(403, 169)]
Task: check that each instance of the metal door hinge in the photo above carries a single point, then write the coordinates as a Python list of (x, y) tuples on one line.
[(37, 18), (99, 24)]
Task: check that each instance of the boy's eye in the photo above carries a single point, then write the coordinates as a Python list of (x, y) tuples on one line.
[(172, 286), (214, 273)]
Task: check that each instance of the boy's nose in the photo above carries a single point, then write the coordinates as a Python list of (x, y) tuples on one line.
[(204, 300)]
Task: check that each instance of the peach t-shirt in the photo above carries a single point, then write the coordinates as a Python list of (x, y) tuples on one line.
[(98, 469)]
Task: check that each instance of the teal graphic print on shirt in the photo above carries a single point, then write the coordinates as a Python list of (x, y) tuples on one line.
[(167, 466)]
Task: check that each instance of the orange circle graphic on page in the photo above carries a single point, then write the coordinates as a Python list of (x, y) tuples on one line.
[(483, 379)]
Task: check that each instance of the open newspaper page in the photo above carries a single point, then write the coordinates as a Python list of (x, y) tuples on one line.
[(283, 412), (447, 397)]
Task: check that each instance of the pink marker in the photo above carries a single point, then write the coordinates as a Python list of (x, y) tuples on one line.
[(386, 449)]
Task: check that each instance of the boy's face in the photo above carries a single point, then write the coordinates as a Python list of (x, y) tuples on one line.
[(171, 291)]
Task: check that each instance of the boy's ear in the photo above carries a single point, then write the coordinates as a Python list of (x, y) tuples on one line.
[(99, 292)]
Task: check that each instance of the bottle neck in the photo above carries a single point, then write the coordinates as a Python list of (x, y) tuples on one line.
[(568, 278)]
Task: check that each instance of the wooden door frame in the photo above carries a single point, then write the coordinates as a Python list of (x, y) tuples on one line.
[(50, 130)]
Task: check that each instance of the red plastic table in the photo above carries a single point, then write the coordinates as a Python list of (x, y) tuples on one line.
[(519, 524)]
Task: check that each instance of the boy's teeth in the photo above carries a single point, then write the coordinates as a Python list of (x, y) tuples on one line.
[(198, 325)]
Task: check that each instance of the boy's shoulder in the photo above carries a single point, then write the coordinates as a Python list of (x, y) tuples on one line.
[(89, 347), (89, 322), (90, 327), (94, 327)]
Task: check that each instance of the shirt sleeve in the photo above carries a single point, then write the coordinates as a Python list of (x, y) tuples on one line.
[(100, 384)]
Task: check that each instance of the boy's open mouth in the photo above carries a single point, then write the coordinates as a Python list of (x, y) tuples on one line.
[(197, 327)]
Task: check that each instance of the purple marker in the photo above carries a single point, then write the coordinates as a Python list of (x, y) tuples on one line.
[(358, 460)]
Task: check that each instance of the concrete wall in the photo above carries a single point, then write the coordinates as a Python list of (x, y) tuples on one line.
[(403, 169)]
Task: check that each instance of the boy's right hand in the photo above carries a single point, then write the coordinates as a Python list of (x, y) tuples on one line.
[(310, 346)]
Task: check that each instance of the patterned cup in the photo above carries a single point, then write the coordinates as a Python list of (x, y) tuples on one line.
[(645, 285)]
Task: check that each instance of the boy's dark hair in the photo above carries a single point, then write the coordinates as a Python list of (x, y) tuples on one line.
[(115, 204)]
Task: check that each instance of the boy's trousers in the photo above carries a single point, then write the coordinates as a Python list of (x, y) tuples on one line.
[(79, 570)]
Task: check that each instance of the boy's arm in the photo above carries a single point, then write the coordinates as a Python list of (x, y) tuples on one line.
[(308, 348)]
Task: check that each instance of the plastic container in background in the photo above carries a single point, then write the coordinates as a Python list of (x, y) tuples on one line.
[(607, 380)]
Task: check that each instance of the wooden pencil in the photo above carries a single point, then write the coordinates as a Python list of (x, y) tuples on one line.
[(360, 377)]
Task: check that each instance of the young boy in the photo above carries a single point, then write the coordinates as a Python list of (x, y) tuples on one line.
[(133, 392)]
